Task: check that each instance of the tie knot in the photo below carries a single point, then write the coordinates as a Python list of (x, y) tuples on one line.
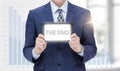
[(59, 10)]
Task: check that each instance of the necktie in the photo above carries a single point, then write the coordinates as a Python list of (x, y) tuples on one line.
[(60, 17)]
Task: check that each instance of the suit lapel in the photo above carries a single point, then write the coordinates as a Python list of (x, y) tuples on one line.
[(70, 13), (48, 13)]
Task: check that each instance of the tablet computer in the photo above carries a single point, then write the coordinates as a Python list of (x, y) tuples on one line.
[(56, 31)]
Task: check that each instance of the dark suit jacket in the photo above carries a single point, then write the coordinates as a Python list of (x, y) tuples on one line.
[(59, 56)]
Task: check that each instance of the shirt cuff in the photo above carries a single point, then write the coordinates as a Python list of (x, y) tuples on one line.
[(82, 52), (35, 56)]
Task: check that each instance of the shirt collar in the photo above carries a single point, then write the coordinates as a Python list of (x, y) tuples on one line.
[(54, 7)]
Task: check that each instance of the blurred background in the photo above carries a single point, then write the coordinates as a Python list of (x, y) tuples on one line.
[(105, 18)]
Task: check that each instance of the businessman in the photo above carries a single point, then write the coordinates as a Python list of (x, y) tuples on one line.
[(69, 56)]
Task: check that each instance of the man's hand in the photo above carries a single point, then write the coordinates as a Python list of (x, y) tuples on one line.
[(40, 44), (74, 43)]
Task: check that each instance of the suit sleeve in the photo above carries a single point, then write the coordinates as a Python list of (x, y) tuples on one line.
[(30, 37), (88, 43)]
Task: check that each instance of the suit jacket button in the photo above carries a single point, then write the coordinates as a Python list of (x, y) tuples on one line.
[(59, 64)]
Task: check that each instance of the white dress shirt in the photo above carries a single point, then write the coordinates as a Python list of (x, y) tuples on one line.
[(55, 14)]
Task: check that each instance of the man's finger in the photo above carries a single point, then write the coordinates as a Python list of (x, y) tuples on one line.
[(41, 36), (73, 35)]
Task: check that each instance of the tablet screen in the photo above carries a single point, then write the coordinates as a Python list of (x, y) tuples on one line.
[(57, 32)]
